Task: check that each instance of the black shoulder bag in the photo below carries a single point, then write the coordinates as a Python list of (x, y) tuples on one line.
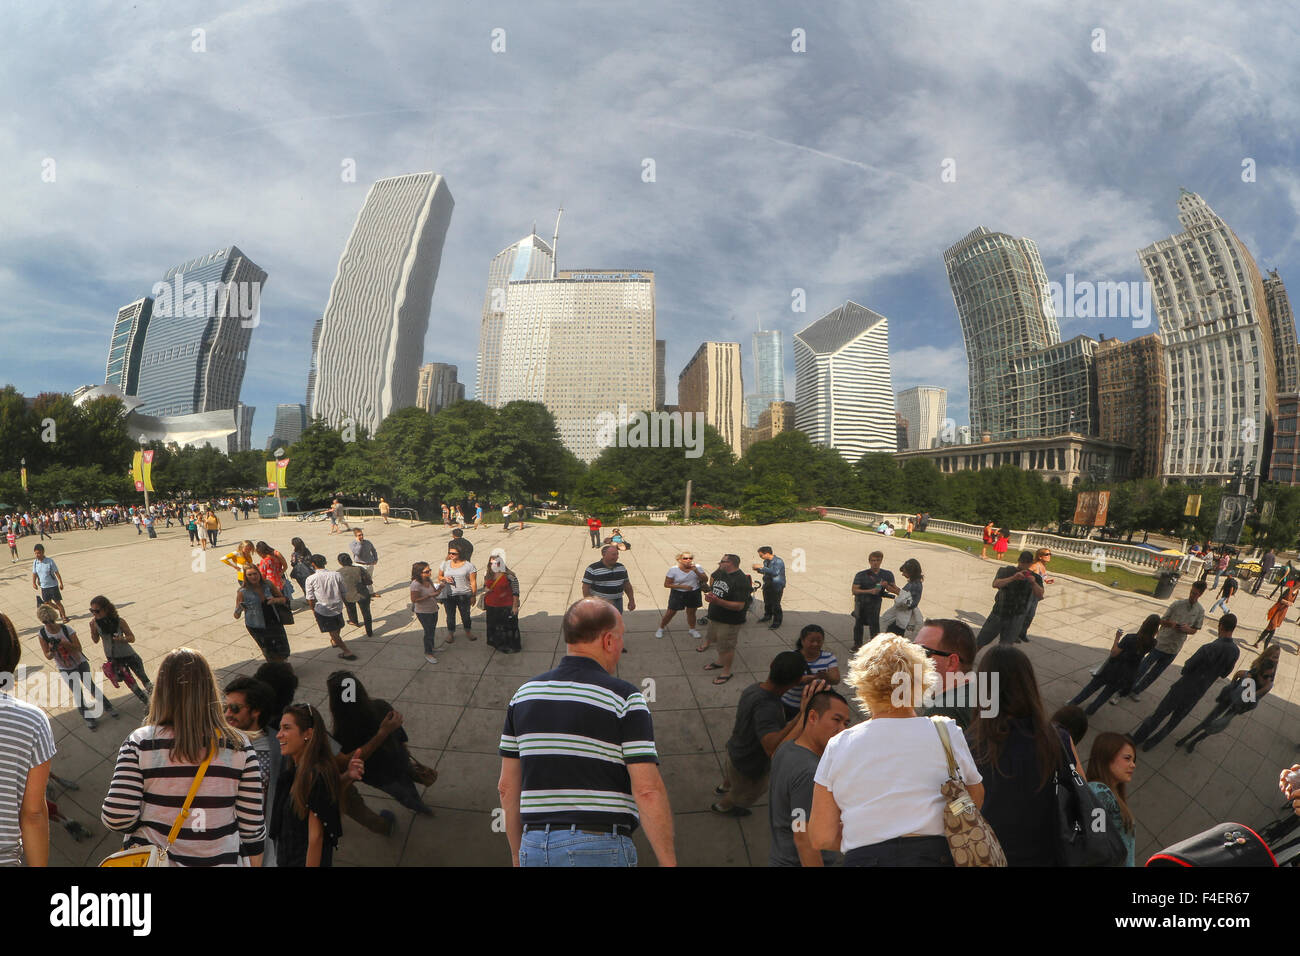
[(1085, 833)]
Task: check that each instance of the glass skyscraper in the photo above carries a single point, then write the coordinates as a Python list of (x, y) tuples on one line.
[(529, 258), (196, 347), (127, 345), (769, 374), (1000, 289)]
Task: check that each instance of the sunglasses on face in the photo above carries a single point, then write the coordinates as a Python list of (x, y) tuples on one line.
[(931, 652), (96, 610)]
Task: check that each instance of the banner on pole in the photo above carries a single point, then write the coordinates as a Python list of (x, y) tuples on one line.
[(271, 475), (281, 466)]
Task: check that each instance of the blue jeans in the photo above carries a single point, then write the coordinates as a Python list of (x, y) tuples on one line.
[(1153, 665), (559, 845)]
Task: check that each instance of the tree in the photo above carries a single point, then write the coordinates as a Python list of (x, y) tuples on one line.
[(312, 470), (922, 485), (881, 480), (774, 500), (601, 492)]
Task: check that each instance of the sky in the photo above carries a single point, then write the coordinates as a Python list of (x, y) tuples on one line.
[(133, 138)]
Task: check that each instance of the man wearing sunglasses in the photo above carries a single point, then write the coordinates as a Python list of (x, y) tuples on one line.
[(247, 708), (950, 645)]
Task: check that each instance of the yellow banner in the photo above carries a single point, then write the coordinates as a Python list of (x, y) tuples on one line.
[(137, 472), (272, 476), (1193, 508), (24, 473), (146, 469), (282, 465)]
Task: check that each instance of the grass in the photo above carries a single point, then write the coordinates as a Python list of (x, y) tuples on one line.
[(1114, 576)]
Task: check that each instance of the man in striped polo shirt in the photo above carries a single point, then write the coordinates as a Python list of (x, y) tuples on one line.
[(607, 579), (579, 769)]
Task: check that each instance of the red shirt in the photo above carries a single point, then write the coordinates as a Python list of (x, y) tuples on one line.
[(593, 524)]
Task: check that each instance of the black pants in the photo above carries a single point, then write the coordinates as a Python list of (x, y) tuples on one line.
[(1175, 706), (451, 604), (1203, 728), (999, 625), (772, 602), (595, 537), (902, 851), (1101, 683), (868, 619), (365, 613)]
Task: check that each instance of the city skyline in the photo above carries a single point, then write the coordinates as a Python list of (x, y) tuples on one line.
[(295, 159)]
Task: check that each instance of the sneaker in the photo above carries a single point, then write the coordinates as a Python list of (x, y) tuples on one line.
[(694, 633), (1113, 700), (1093, 672), (430, 658), (659, 633), (1135, 698)]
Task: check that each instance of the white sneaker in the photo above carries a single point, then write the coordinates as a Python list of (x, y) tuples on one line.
[(659, 633), (430, 658), (1093, 672), (694, 633)]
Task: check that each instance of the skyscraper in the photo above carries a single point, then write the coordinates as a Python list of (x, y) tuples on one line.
[(126, 347), (529, 258), (711, 383), (925, 407), (368, 354), (1132, 395), (196, 347), (1000, 289), (438, 387), (1282, 321), (843, 397), (1055, 391), (290, 423), (661, 384), (769, 371), (242, 437), (1219, 348), (583, 345)]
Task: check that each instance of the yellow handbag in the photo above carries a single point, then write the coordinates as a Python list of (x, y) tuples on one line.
[(157, 856)]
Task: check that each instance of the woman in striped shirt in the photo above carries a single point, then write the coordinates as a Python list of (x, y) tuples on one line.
[(819, 664), (26, 748), (158, 762)]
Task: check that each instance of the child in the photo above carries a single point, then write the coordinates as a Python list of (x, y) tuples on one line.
[(12, 540), (1000, 546)]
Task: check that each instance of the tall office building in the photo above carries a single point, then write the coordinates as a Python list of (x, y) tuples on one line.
[(925, 407), (290, 423), (778, 417), (242, 437), (712, 383), (901, 426), (583, 345), (1055, 391), (843, 398), (196, 347), (661, 383), (1003, 301), (1282, 322), (368, 354), (1132, 395), (438, 387), (1285, 465), (529, 258), (1219, 349), (311, 369), (769, 374), (126, 348)]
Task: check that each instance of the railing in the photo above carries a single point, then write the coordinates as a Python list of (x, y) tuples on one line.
[(1126, 555), (404, 514)]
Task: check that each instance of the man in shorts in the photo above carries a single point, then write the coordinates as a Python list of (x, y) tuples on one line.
[(325, 596), (47, 580), (728, 599)]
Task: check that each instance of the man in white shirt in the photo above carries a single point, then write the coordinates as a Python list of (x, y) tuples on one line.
[(325, 596)]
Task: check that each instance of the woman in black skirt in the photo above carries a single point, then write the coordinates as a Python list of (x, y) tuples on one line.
[(261, 603), (501, 601)]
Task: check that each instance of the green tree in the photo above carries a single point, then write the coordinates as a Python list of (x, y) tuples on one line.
[(774, 500), (882, 481), (922, 485), (311, 472)]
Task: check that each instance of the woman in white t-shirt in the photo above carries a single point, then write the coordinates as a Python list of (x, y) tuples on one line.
[(683, 581), (877, 794)]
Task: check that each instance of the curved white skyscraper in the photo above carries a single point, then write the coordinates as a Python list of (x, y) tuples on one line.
[(367, 354), (843, 397)]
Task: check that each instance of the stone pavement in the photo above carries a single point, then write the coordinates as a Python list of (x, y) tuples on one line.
[(454, 710)]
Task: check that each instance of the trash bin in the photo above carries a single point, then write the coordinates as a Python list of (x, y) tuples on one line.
[(1166, 584)]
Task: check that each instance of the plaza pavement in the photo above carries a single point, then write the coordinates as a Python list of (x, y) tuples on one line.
[(454, 710)]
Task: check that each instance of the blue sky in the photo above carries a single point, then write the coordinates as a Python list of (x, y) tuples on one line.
[(774, 170)]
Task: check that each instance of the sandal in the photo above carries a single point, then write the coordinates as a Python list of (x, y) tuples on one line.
[(347, 657), (715, 666), (702, 649), (451, 638), (723, 679), (470, 636)]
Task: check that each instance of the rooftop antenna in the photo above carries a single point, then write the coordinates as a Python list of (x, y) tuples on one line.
[(534, 227), (555, 239)]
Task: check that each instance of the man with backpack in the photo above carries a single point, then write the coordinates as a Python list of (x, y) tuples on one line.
[(730, 594)]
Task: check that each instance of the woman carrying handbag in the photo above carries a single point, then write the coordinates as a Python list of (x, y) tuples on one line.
[(905, 616), (265, 611), (501, 602)]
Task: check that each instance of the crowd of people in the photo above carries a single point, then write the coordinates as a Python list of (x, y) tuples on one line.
[(956, 717)]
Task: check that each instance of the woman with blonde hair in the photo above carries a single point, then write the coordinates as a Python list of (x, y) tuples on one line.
[(877, 794), (158, 763), (241, 558)]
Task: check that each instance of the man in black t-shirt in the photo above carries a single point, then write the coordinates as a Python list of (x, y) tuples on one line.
[(728, 599), (459, 543), (867, 594), (1208, 664), (1015, 587)]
